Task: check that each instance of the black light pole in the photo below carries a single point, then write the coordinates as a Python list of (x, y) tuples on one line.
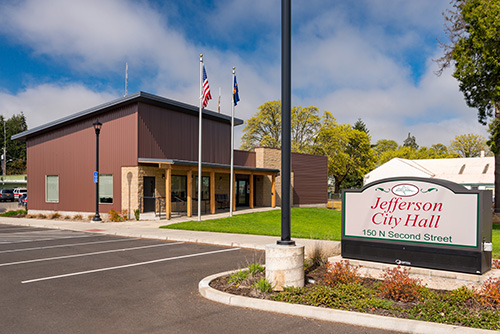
[(97, 127), (286, 110)]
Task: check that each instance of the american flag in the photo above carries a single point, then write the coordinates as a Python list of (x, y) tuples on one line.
[(206, 89)]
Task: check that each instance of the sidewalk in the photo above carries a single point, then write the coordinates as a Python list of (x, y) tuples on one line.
[(150, 229)]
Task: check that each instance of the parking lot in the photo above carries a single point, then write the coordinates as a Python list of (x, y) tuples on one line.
[(56, 281)]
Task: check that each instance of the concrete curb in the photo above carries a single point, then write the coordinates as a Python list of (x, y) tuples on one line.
[(324, 314)]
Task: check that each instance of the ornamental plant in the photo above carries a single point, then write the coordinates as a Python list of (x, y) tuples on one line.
[(341, 273), (489, 293), (399, 286)]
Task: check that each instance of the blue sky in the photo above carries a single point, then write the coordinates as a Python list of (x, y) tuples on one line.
[(368, 59)]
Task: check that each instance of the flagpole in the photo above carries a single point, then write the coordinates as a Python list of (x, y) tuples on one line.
[(199, 138), (232, 150)]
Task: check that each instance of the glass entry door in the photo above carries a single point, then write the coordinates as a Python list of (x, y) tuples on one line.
[(149, 193), (242, 192)]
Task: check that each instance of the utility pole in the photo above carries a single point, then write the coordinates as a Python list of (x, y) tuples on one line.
[(4, 150)]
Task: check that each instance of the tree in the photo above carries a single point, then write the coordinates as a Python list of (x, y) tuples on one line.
[(384, 145), (16, 150), (305, 125), (472, 27), (468, 145), (411, 142), (264, 129), (348, 150), (361, 126)]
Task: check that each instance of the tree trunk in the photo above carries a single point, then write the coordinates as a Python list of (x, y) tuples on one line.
[(496, 194)]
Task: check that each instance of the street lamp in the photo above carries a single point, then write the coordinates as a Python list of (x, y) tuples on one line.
[(97, 127)]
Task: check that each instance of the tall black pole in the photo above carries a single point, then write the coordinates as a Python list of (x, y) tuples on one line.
[(286, 115), (97, 128)]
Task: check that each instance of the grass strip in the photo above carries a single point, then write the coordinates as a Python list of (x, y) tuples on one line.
[(310, 223)]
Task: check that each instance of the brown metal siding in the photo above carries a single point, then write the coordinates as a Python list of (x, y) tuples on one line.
[(244, 158), (70, 153), (166, 134), (310, 175)]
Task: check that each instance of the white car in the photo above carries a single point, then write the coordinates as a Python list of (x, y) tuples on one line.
[(18, 192)]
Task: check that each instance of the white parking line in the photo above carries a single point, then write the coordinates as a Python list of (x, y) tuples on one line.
[(127, 265), (65, 245), (47, 239), (86, 254)]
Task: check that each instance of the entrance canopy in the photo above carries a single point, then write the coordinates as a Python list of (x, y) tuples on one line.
[(217, 187)]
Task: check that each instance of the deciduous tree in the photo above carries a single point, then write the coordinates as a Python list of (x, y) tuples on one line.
[(468, 145), (348, 150), (264, 129), (472, 27)]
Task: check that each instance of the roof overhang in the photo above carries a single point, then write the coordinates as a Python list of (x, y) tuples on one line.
[(132, 98), (180, 164)]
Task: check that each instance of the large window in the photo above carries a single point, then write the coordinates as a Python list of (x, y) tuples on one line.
[(105, 188), (52, 188), (205, 188), (179, 188)]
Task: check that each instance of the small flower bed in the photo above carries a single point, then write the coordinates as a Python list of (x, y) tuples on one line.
[(339, 286)]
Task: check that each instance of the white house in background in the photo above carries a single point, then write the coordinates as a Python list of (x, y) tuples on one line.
[(473, 173)]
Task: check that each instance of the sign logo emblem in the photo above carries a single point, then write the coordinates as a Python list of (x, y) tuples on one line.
[(405, 190)]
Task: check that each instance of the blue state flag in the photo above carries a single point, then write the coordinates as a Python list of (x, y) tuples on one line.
[(236, 95)]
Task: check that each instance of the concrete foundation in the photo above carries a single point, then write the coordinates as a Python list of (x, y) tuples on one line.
[(285, 265)]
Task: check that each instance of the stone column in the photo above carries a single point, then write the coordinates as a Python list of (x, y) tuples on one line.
[(285, 266)]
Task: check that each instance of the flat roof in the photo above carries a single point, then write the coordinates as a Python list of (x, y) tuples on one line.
[(204, 164), (132, 98)]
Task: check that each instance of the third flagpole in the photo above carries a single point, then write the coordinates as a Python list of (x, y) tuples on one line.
[(231, 196)]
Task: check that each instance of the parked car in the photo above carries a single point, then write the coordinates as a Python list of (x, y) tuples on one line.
[(18, 192), (23, 201), (6, 195)]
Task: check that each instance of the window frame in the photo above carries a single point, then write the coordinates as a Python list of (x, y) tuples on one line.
[(101, 176), (47, 188)]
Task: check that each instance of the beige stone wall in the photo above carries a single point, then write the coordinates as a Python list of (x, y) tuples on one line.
[(133, 186), (266, 157)]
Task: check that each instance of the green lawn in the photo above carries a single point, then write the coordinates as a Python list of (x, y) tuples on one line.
[(307, 223), (310, 223)]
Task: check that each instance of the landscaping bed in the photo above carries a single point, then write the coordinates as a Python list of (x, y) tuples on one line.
[(398, 295)]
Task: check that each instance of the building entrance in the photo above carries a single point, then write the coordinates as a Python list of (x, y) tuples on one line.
[(149, 200), (242, 192)]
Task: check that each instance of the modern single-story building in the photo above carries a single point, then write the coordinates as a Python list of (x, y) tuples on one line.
[(473, 173), (148, 161)]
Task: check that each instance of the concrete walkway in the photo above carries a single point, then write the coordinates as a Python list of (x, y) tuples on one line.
[(150, 229)]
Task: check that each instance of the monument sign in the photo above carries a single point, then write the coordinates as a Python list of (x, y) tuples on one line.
[(418, 222)]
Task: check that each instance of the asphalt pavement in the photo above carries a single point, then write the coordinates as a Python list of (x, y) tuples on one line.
[(149, 229)]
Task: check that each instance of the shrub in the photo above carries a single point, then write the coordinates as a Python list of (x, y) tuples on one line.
[(255, 268), (114, 216), (316, 257), (55, 215), (490, 292), (341, 272), (495, 264), (238, 277), (41, 216), (263, 285), (137, 214), (399, 286), (16, 213)]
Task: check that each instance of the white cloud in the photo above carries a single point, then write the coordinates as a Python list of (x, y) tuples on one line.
[(348, 58), (46, 103)]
